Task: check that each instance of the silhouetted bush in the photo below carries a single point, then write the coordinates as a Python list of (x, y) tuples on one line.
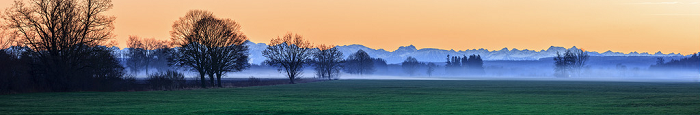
[(167, 80)]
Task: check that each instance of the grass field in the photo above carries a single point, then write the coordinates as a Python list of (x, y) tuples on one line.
[(379, 97)]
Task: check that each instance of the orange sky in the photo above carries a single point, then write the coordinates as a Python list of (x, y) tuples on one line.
[(597, 25)]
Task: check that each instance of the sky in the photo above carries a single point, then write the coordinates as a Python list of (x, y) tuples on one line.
[(594, 25)]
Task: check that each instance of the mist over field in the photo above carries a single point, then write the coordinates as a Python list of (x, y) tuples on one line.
[(600, 68)]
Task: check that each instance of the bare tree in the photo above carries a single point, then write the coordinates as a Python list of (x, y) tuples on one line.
[(57, 30), (290, 52), (143, 52), (223, 38), (571, 62), (192, 52), (328, 61), (209, 45), (581, 58), (410, 65), (137, 56)]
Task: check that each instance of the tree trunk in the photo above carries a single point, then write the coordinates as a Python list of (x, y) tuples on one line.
[(291, 79), (218, 79), (211, 79), (201, 79)]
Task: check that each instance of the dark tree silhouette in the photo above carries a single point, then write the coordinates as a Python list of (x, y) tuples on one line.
[(223, 38), (359, 63), (209, 45), (580, 57), (471, 65), (15, 70), (104, 69), (57, 31), (410, 65), (475, 65), (289, 53), (192, 52), (569, 63), (328, 61)]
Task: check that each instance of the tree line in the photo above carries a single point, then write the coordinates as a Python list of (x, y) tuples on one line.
[(691, 63), (470, 65)]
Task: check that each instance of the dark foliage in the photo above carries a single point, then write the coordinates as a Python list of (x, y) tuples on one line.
[(166, 80), (23, 72), (359, 63), (15, 71), (410, 65), (470, 65), (691, 63), (380, 66)]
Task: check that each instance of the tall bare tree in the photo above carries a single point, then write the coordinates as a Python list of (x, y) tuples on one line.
[(192, 52), (226, 53), (290, 52), (209, 45), (328, 61), (57, 30)]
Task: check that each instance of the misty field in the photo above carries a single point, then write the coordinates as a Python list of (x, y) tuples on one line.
[(379, 97)]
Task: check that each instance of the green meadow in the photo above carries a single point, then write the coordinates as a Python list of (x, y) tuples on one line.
[(379, 97)]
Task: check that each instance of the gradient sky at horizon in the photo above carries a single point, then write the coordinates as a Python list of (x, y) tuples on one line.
[(595, 25)]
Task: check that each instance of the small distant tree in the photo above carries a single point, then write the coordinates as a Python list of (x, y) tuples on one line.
[(359, 63), (290, 52), (328, 61), (571, 62), (562, 64), (144, 52), (431, 69), (475, 65), (410, 65), (580, 57)]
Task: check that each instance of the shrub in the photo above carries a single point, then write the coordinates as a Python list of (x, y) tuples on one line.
[(166, 80)]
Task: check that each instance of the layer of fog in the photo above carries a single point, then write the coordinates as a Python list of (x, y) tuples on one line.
[(626, 69)]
